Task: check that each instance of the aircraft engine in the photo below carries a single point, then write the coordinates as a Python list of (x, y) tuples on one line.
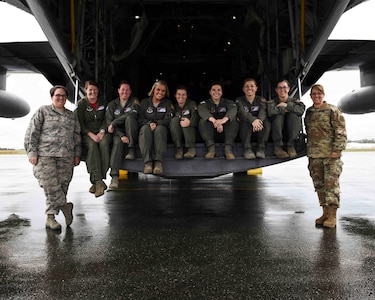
[(359, 101), (12, 106)]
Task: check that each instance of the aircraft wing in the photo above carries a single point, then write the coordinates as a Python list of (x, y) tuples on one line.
[(344, 55), (36, 57)]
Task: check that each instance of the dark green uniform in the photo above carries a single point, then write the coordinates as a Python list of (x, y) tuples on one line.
[(124, 121), (225, 108), (247, 114), (153, 144), (326, 133), (97, 160), (179, 133), (285, 120)]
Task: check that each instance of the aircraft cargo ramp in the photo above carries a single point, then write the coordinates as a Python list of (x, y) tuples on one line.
[(201, 167)]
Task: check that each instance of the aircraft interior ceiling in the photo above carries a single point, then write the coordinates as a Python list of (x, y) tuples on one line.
[(191, 41)]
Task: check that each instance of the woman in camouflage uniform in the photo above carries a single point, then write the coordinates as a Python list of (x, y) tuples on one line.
[(53, 146), (326, 139)]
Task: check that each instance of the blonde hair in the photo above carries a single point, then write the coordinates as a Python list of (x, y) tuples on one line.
[(159, 82)]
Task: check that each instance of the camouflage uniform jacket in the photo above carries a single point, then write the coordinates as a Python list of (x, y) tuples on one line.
[(325, 128), (293, 105), (225, 108), (116, 114), (249, 112), (91, 119), (53, 134), (189, 111), (151, 114)]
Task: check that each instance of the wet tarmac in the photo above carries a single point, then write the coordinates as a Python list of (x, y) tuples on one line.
[(231, 237)]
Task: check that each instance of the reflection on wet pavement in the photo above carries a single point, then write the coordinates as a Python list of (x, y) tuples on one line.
[(232, 237)]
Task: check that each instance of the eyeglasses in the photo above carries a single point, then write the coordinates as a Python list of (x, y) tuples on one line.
[(316, 94), (282, 87), (60, 96)]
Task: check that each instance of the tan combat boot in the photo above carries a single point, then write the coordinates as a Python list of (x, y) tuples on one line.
[(228, 152), (179, 153), (114, 182), (158, 167), (92, 189), (148, 167), (51, 223), (261, 153), (280, 153), (100, 187), (249, 154), (210, 152), (331, 220), (191, 153), (324, 216), (130, 155), (67, 210), (292, 151)]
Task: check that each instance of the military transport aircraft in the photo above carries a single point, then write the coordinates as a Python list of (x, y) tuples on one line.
[(193, 42)]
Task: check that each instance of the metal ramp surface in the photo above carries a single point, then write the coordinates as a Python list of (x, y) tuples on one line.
[(201, 167)]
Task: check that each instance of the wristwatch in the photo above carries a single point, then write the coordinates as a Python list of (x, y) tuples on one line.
[(102, 130)]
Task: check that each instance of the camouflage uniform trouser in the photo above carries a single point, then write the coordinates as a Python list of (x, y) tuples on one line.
[(54, 175), (325, 173)]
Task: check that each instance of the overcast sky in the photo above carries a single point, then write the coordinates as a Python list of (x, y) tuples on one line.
[(35, 88)]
